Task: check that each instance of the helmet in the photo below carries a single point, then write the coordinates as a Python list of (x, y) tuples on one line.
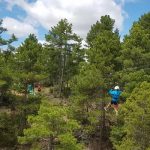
[(116, 88)]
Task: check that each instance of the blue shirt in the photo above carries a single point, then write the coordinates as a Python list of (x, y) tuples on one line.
[(115, 94), (30, 88)]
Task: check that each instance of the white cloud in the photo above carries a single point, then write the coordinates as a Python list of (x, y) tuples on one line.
[(20, 29), (81, 13), (42, 42)]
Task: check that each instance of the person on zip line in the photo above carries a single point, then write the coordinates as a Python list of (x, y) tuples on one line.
[(115, 94)]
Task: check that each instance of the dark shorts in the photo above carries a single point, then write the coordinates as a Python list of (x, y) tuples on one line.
[(114, 103)]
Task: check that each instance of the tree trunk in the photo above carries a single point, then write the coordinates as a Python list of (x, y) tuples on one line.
[(102, 122), (62, 71), (23, 112), (50, 144), (62, 75)]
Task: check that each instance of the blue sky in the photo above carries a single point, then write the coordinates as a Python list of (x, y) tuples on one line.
[(134, 10), (23, 17)]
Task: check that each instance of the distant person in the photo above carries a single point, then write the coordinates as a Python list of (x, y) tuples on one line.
[(30, 89), (39, 88), (115, 94)]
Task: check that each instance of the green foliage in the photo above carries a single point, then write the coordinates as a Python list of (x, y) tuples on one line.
[(6, 76), (5, 60), (30, 105), (61, 59), (4, 41), (105, 23), (105, 50), (28, 54), (8, 130), (68, 142), (64, 53), (135, 55), (51, 122), (135, 113), (88, 79), (2, 83), (85, 89), (132, 129), (89, 86), (29, 65)]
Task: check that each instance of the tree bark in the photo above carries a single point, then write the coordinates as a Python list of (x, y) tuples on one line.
[(102, 122), (50, 144), (62, 75)]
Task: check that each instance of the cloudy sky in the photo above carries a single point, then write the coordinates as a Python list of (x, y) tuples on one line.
[(23, 17)]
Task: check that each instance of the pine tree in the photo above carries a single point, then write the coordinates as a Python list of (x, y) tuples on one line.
[(64, 54), (106, 23), (135, 55), (97, 76), (134, 131), (28, 62), (7, 122), (5, 41), (29, 70), (54, 126), (5, 59)]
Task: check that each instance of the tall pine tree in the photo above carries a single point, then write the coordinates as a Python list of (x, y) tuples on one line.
[(135, 55), (96, 77), (132, 128), (64, 54)]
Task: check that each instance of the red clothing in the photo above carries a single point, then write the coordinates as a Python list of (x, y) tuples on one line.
[(39, 88)]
